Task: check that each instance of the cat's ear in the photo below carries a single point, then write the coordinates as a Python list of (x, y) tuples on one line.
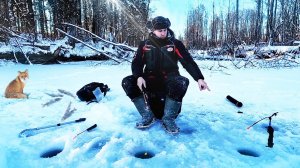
[(26, 70), (19, 72)]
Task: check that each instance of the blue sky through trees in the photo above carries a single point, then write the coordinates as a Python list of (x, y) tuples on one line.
[(177, 10)]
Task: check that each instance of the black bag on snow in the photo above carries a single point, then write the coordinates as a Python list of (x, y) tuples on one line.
[(91, 92)]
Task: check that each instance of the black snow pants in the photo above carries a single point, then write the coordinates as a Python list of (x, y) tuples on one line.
[(173, 86)]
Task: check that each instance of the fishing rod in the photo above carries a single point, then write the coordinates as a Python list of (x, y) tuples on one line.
[(270, 129), (34, 131), (270, 117), (88, 129)]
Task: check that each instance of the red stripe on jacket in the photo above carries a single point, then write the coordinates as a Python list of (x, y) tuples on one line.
[(178, 53)]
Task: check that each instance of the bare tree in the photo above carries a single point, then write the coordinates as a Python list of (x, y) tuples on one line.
[(237, 18), (270, 19), (4, 13), (214, 28), (19, 14), (42, 17), (196, 32), (258, 21), (295, 19), (124, 20)]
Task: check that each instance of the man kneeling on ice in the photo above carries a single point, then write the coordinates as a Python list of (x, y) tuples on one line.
[(156, 77)]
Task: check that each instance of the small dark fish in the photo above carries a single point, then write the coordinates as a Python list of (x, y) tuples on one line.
[(66, 93), (52, 101)]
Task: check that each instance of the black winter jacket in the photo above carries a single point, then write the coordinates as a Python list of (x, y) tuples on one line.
[(160, 56)]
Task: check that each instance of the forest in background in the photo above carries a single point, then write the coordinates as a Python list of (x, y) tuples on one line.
[(123, 21), (272, 21), (117, 21)]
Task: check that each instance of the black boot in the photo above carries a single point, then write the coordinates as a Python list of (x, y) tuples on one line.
[(146, 113), (170, 113)]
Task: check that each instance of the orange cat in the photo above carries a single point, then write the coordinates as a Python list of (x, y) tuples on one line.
[(15, 87)]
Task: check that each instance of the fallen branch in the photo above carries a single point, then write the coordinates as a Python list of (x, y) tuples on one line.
[(6, 30), (23, 52), (109, 42), (13, 34), (89, 46)]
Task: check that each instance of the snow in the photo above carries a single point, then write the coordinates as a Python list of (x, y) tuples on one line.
[(281, 49), (212, 132)]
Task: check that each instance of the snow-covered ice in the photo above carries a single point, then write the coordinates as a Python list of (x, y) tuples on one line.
[(212, 132)]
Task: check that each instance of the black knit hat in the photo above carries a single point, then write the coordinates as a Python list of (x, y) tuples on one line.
[(158, 22)]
